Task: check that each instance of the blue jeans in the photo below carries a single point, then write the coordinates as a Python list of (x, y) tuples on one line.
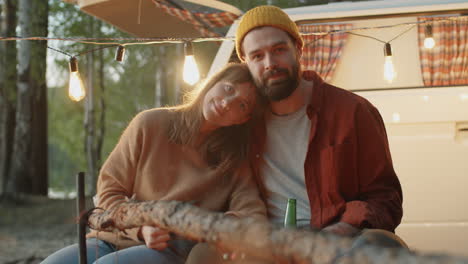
[(99, 251)]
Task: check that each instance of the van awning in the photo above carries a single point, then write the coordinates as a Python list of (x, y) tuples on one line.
[(164, 18)]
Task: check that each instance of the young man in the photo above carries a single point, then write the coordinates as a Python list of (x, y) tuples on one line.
[(322, 145)]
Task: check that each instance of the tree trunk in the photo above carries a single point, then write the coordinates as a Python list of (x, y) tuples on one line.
[(255, 238), (29, 161), (102, 117), (39, 177), (95, 108), (8, 76), (89, 118), (179, 62), (159, 94)]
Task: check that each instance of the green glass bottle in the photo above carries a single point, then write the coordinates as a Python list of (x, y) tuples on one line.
[(290, 216)]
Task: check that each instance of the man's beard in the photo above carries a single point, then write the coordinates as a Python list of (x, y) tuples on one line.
[(278, 90)]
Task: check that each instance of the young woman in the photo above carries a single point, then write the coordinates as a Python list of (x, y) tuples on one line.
[(193, 152)]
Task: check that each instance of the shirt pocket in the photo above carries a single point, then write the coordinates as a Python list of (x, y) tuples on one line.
[(339, 175)]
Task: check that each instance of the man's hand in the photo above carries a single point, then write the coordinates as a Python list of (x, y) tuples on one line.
[(154, 237), (342, 229)]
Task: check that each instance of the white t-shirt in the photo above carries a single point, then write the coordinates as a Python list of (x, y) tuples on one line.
[(283, 169)]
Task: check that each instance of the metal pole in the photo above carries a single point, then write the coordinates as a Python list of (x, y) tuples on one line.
[(80, 207)]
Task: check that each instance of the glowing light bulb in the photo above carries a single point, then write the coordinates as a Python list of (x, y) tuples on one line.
[(429, 42), (389, 69), (191, 73), (76, 90)]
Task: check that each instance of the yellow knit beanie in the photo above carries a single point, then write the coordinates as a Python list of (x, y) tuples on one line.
[(265, 16)]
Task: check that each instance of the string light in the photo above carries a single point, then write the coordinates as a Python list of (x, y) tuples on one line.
[(76, 90), (389, 69), (429, 42), (120, 54), (191, 73)]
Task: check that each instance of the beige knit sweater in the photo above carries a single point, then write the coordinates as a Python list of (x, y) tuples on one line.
[(145, 164)]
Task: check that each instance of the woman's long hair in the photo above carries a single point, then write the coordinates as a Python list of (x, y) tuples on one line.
[(226, 147)]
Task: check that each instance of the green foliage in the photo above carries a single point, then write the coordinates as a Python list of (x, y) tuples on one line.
[(66, 129), (66, 143), (131, 91)]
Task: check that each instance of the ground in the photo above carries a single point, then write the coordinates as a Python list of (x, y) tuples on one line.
[(32, 229)]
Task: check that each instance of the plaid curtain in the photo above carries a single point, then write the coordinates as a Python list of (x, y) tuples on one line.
[(447, 62), (322, 52), (208, 20)]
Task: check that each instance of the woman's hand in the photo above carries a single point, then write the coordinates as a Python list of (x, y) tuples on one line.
[(155, 237)]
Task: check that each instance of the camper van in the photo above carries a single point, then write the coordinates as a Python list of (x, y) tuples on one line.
[(427, 125), (426, 120)]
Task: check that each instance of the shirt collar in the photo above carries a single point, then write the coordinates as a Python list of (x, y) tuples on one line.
[(317, 92)]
